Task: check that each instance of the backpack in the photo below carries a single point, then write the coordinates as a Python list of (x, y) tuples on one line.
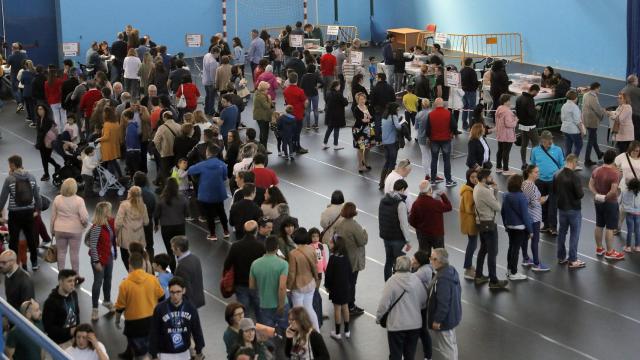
[(132, 139), (23, 192)]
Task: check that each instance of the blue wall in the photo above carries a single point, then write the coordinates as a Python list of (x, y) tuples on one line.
[(584, 36)]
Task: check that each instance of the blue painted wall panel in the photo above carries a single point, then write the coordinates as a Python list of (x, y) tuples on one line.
[(30, 22)]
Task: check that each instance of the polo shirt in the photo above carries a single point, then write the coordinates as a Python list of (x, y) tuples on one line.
[(267, 271)]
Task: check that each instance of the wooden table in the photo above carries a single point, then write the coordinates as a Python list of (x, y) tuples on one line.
[(405, 38)]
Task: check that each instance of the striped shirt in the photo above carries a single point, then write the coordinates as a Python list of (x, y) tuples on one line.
[(9, 192), (532, 194)]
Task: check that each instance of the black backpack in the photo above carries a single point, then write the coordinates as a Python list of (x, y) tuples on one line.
[(23, 192)]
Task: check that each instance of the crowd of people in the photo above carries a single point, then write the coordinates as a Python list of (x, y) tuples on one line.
[(134, 103)]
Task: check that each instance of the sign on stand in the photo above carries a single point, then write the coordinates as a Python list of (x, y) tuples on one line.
[(452, 78), (333, 30), (70, 49), (193, 40), (440, 38), (296, 40)]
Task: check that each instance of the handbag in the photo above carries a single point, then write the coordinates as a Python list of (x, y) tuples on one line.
[(182, 101), (484, 225), (50, 253), (383, 318), (50, 136), (227, 286)]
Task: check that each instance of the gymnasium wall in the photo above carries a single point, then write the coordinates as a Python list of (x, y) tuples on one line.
[(583, 36)]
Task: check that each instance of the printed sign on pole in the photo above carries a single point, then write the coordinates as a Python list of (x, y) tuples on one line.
[(440, 38), (70, 49), (194, 40), (296, 40), (333, 30)]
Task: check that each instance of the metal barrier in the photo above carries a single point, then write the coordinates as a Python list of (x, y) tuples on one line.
[(32, 332), (549, 113), (499, 45), (346, 33)]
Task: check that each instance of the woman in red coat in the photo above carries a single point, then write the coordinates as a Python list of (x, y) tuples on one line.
[(102, 251), (53, 94), (191, 95)]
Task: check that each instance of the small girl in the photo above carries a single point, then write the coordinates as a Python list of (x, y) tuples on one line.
[(89, 163), (160, 264), (321, 254), (338, 283), (631, 206), (286, 129), (72, 128)]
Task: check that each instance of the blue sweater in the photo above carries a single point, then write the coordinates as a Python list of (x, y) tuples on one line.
[(390, 127), (515, 210), (546, 166), (213, 173)]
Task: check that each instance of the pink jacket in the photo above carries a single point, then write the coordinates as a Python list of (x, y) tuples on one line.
[(623, 114), (69, 214), (506, 123), (273, 83)]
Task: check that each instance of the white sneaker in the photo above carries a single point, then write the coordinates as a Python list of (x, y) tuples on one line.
[(280, 153), (516, 277), (335, 336), (347, 335), (325, 147)]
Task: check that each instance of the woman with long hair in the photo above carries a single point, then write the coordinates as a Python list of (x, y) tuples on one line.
[(302, 339), (335, 104), (247, 342), (85, 345), (517, 222), (146, 68), (102, 251), (506, 123), (338, 283), (622, 115), (170, 215), (534, 205), (44, 124), (478, 151), (390, 126), (468, 221), (130, 221), (303, 274), (238, 53), (357, 87), (26, 77), (363, 131), (53, 94), (131, 66), (159, 78), (110, 141), (272, 198), (631, 206)]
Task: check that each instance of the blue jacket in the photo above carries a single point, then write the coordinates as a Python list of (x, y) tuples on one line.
[(27, 80), (286, 126), (546, 166), (515, 210), (229, 116), (445, 300), (213, 173), (390, 127), (131, 137)]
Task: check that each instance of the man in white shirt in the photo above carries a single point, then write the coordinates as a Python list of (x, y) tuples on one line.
[(209, 67), (402, 170)]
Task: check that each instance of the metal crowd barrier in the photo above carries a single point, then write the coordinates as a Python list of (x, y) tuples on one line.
[(549, 113), (498, 45)]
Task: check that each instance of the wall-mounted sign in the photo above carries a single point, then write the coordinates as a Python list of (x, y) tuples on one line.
[(70, 49), (193, 40)]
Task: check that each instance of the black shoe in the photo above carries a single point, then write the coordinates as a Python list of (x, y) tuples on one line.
[(600, 156), (79, 281), (500, 284), (355, 311), (524, 167), (479, 280), (45, 178), (302, 151), (589, 163)]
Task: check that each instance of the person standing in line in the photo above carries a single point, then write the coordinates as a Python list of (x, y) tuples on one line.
[(572, 125), (69, 217), (402, 171), (382, 94), (263, 106), (330, 216), (592, 114), (341, 56), (444, 307), (209, 69), (631, 206), (506, 123), (387, 55), (244, 210), (328, 63), (174, 325), (18, 284), (421, 267), (131, 66), (527, 121), (534, 204), (440, 131), (53, 94), (390, 126), (623, 116), (294, 96), (569, 189), (18, 345), (549, 159), (487, 206), (131, 218), (469, 84), (335, 103), (338, 283), (427, 217), (149, 200), (422, 119), (310, 82), (516, 220), (61, 311), (255, 52), (303, 274), (403, 298), (302, 340), (632, 92), (171, 211), (468, 222), (103, 251), (604, 186), (394, 225), (15, 61), (629, 164), (188, 267)]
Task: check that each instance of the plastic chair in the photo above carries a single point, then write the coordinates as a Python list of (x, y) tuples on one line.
[(430, 28)]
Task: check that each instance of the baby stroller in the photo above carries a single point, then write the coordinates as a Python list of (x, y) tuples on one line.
[(106, 179), (69, 153)]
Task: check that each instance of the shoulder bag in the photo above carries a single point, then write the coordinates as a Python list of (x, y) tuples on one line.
[(324, 232), (631, 166), (550, 157), (182, 101), (385, 316)]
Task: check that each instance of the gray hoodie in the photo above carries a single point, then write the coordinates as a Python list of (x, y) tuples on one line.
[(9, 191), (406, 314)]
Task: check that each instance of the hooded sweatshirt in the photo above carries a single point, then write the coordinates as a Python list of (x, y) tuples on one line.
[(405, 315), (9, 191), (59, 315), (138, 295), (445, 305), (172, 327)]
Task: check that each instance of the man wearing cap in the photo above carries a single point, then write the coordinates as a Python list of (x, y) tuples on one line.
[(549, 159), (402, 170), (426, 217), (175, 322)]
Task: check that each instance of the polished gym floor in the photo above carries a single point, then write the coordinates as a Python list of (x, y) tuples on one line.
[(591, 313)]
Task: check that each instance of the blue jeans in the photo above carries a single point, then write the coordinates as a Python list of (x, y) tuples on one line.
[(269, 317), (313, 106), (592, 142), (468, 104), (572, 141), (633, 227), (209, 99), (535, 239), (471, 248), (317, 305), (569, 219), (101, 279), (249, 298), (17, 95), (436, 148), (116, 71), (390, 156), (392, 249)]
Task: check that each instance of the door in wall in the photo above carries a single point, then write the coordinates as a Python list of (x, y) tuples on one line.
[(33, 23)]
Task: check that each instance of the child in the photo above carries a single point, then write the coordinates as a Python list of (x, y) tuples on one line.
[(72, 128), (179, 172), (278, 57), (160, 264), (273, 126), (132, 143), (286, 129), (321, 255), (631, 206), (373, 70), (410, 102), (338, 283), (89, 163)]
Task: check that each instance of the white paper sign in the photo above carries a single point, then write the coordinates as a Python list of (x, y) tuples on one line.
[(452, 78), (333, 30), (296, 40), (194, 40), (70, 49), (356, 57), (440, 38)]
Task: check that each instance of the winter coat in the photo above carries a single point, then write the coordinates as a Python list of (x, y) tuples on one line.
[(336, 103)]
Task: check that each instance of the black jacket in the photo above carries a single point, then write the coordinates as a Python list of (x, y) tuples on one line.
[(423, 88), (475, 153), (389, 222), (335, 104), (357, 88), (42, 128), (240, 257), (568, 189), (310, 82), (296, 65), (499, 80), (119, 51), (68, 86), (169, 321), (56, 318), (182, 145), (18, 288), (37, 87), (526, 109), (468, 79), (241, 212), (382, 94)]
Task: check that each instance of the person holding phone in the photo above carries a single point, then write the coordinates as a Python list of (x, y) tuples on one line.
[(534, 205)]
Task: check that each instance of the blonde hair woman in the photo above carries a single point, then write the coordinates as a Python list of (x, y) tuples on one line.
[(146, 68), (102, 249), (69, 217), (130, 221), (262, 110), (200, 120)]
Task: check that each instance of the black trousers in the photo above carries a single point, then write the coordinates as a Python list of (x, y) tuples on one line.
[(264, 132), (125, 255), (426, 242), (45, 156), (168, 232), (502, 156), (211, 211), (166, 164), (354, 281), (23, 220), (516, 238), (342, 83), (148, 238), (488, 249), (403, 344)]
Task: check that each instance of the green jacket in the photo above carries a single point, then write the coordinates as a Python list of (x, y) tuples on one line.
[(262, 107)]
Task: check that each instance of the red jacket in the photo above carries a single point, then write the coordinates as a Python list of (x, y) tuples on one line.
[(88, 102), (53, 93), (294, 96), (191, 94), (328, 64), (439, 126), (105, 243), (426, 214)]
